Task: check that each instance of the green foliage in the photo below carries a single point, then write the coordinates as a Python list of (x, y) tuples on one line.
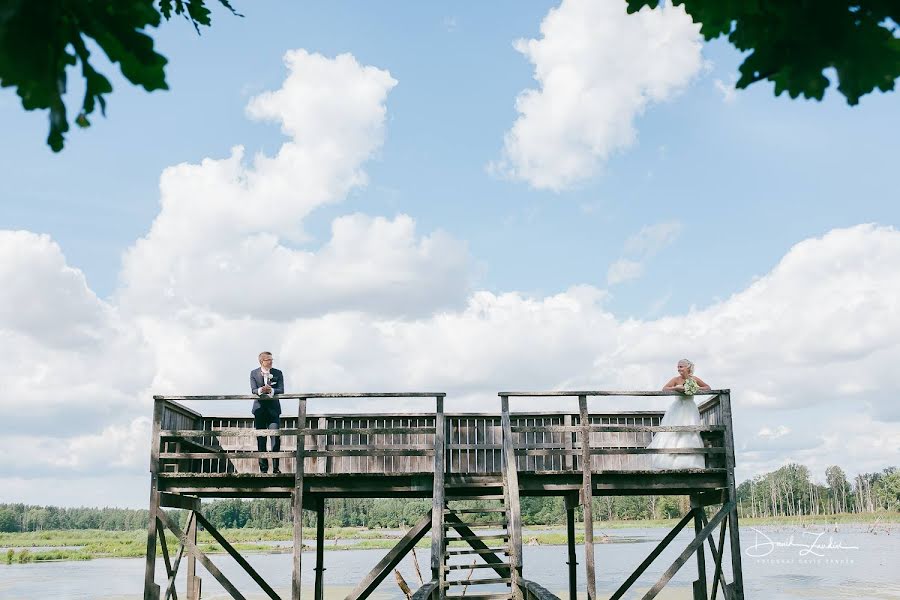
[(792, 43), (39, 41)]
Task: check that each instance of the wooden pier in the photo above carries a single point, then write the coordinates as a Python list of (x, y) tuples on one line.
[(449, 457)]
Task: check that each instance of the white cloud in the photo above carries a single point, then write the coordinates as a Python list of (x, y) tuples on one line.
[(728, 91), (598, 68), (222, 240), (623, 270), (776, 432), (639, 248)]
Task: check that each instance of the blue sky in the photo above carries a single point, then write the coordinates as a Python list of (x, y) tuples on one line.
[(747, 179), (744, 214)]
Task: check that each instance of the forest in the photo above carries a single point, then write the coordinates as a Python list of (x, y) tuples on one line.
[(787, 492)]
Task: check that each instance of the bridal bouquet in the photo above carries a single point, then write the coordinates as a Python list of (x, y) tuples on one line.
[(690, 387)]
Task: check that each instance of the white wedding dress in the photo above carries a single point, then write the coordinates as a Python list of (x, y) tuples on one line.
[(683, 411)]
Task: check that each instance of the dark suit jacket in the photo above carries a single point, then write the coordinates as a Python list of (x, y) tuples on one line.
[(272, 404)]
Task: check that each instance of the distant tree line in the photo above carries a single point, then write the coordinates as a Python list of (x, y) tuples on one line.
[(789, 491)]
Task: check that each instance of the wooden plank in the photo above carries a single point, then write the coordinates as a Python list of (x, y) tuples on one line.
[(151, 590), (230, 432), (373, 452), (204, 560), (612, 428), (734, 532), (437, 498), (551, 394), (167, 456), (587, 498), (308, 396), (511, 490), (706, 451), (535, 591), (652, 556), (237, 557), (391, 559), (167, 500), (425, 592), (320, 549), (369, 430), (478, 546), (686, 554), (297, 501)]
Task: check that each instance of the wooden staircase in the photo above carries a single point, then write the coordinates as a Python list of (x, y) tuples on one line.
[(476, 559)]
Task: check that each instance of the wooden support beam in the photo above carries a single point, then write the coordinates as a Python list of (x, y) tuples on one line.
[(587, 498), (438, 497), (193, 582), (320, 548), (652, 556), (497, 563), (718, 577), (511, 491), (570, 540), (170, 572), (204, 560), (686, 554), (151, 590), (700, 582), (237, 557), (167, 500), (391, 559), (170, 588), (297, 500), (734, 533)]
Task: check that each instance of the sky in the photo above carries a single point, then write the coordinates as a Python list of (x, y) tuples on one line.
[(455, 197)]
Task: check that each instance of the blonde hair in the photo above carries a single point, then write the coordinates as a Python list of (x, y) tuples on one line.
[(688, 363)]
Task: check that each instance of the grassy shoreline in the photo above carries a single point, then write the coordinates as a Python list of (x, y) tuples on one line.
[(89, 544)]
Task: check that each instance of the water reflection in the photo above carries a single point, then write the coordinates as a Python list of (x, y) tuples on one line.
[(867, 573)]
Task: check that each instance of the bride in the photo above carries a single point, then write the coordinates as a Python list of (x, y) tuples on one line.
[(682, 411)]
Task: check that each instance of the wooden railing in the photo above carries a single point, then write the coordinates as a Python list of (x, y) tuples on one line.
[(398, 443)]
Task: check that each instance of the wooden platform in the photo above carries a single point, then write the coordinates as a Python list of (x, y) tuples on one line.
[(444, 456)]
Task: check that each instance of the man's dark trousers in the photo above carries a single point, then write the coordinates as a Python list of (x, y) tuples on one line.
[(264, 418)]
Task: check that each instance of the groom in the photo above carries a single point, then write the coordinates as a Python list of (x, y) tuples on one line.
[(266, 382)]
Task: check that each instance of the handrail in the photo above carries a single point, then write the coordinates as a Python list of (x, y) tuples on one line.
[(550, 394), (309, 396)]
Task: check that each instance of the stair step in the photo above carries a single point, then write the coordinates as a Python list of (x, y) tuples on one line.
[(475, 566), (479, 597), (506, 580), (450, 525), (481, 497), (466, 538), (459, 511), (477, 551)]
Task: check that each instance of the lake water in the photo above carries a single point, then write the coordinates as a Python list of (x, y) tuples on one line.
[(780, 563)]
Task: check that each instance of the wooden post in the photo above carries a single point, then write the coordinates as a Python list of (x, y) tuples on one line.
[(193, 582), (587, 498), (568, 458), (151, 590), (700, 583), (297, 498), (511, 485), (737, 575), (571, 503), (320, 548), (437, 498)]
